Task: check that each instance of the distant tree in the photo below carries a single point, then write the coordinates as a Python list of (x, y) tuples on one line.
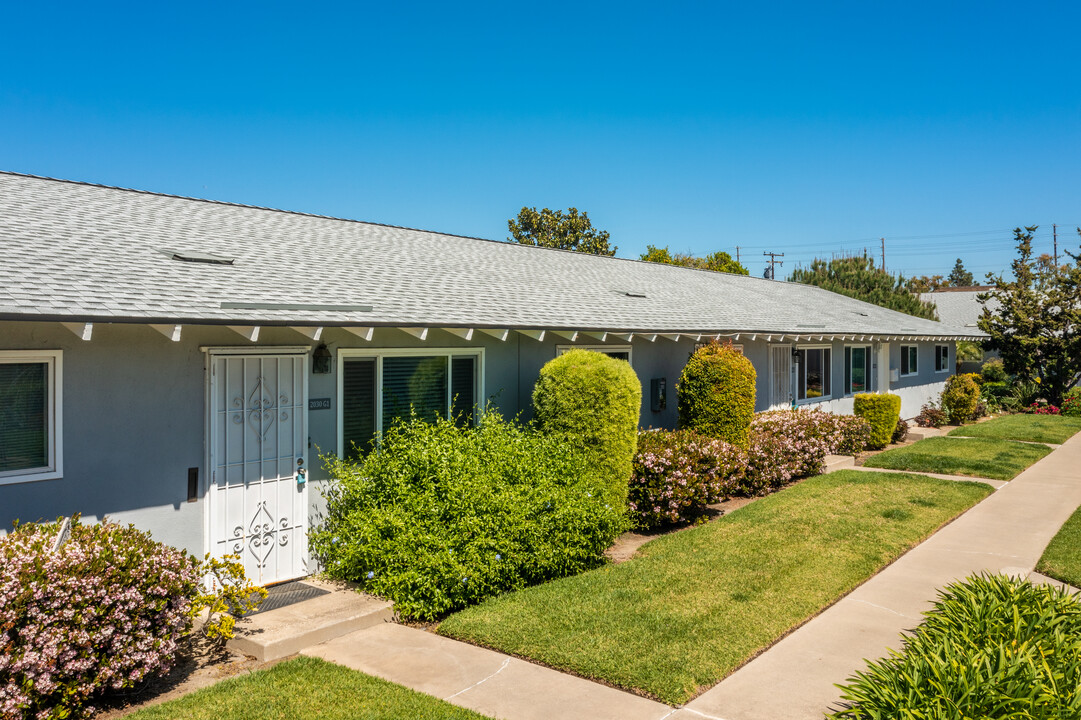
[(858, 277), (716, 261), (1036, 324), (924, 284), (968, 352), (551, 228), (959, 277)]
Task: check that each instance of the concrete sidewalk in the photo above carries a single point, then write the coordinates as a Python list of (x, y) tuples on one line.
[(795, 678), (1005, 533)]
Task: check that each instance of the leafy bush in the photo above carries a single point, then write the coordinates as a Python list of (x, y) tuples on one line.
[(994, 389), (677, 474), (992, 647), (593, 401), (716, 393), (959, 398), (1043, 408), (102, 613), (994, 371), (900, 433), (440, 517), (231, 595), (882, 411), (1071, 402), (931, 415)]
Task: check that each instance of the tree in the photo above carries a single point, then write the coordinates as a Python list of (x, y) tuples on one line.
[(717, 261), (959, 277), (925, 284), (553, 229), (1036, 324), (858, 277)]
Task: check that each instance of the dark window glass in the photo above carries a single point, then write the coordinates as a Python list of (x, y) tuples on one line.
[(24, 416), (358, 405), (858, 371), (419, 383), (463, 392)]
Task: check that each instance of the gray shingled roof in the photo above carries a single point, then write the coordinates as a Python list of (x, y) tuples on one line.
[(958, 308), (75, 251)]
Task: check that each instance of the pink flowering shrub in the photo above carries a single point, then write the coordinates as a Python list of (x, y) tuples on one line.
[(1043, 408), (842, 434), (103, 612), (677, 474)]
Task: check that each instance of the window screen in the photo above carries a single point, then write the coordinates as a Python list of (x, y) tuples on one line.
[(419, 383), (24, 416), (814, 373), (857, 369), (942, 358), (358, 405), (909, 365), (463, 392)]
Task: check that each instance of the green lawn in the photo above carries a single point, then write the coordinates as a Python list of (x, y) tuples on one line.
[(995, 459), (305, 689), (1031, 428), (1062, 558), (695, 605)]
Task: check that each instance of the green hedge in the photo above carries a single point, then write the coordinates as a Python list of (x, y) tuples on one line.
[(992, 647), (717, 394), (593, 402), (439, 517), (960, 397), (882, 411)]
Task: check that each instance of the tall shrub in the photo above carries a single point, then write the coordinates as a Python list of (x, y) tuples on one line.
[(440, 517), (882, 411), (959, 398), (104, 611), (593, 401), (716, 394)]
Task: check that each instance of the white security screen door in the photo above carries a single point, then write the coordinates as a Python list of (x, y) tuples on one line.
[(780, 376), (258, 433)]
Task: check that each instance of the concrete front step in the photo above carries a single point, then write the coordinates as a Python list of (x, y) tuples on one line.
[(838, 462), (288, 630)]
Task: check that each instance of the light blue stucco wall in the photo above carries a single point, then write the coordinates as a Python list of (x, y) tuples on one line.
[(134, 410)]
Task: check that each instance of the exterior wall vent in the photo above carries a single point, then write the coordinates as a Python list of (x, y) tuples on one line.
[(199, 257)]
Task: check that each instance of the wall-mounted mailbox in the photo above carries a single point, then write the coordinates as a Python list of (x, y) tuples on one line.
[(193, 484), (895, 375), (657, 393)]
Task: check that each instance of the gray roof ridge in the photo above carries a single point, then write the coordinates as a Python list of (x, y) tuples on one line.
[(300, 213)]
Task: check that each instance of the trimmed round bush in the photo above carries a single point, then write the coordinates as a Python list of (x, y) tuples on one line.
[(994, 371), (882, 411), (593, 401), (959, 399), (716, 394), (104, 612), (440, 517)]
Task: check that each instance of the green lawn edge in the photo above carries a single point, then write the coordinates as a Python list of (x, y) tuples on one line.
[(1061, 558), (1055, 429), (305, 688), (969, 457), (695, 605)]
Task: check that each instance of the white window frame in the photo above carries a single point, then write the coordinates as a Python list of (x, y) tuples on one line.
[(561, 349), (380, 353), (911, 372), (947, 368), (869, 368), (54, 361), (803, 371)]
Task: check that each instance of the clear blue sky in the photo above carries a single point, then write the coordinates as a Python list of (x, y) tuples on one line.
[(802, 128)]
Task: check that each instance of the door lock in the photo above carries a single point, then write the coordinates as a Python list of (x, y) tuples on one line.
[(302, 474)]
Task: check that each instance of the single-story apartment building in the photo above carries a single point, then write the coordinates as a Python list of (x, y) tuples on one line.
[(961, 307), (182, 364)]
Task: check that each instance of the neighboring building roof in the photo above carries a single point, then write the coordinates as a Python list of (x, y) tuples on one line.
[(959, 306), (76, 251)]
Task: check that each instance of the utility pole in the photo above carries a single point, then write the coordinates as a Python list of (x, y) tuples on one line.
[(773, 261), (737, 253), (1054, 230), (883, 254)]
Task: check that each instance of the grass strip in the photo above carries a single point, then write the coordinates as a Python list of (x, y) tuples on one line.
[(305, 689), (976, 457), (1055, 429), (695, 605), (1062, 557)]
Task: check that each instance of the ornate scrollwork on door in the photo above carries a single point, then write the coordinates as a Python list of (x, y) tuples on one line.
[(261, 408), (263, 533)]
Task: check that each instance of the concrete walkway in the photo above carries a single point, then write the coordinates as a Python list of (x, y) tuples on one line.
[(795, 678)]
